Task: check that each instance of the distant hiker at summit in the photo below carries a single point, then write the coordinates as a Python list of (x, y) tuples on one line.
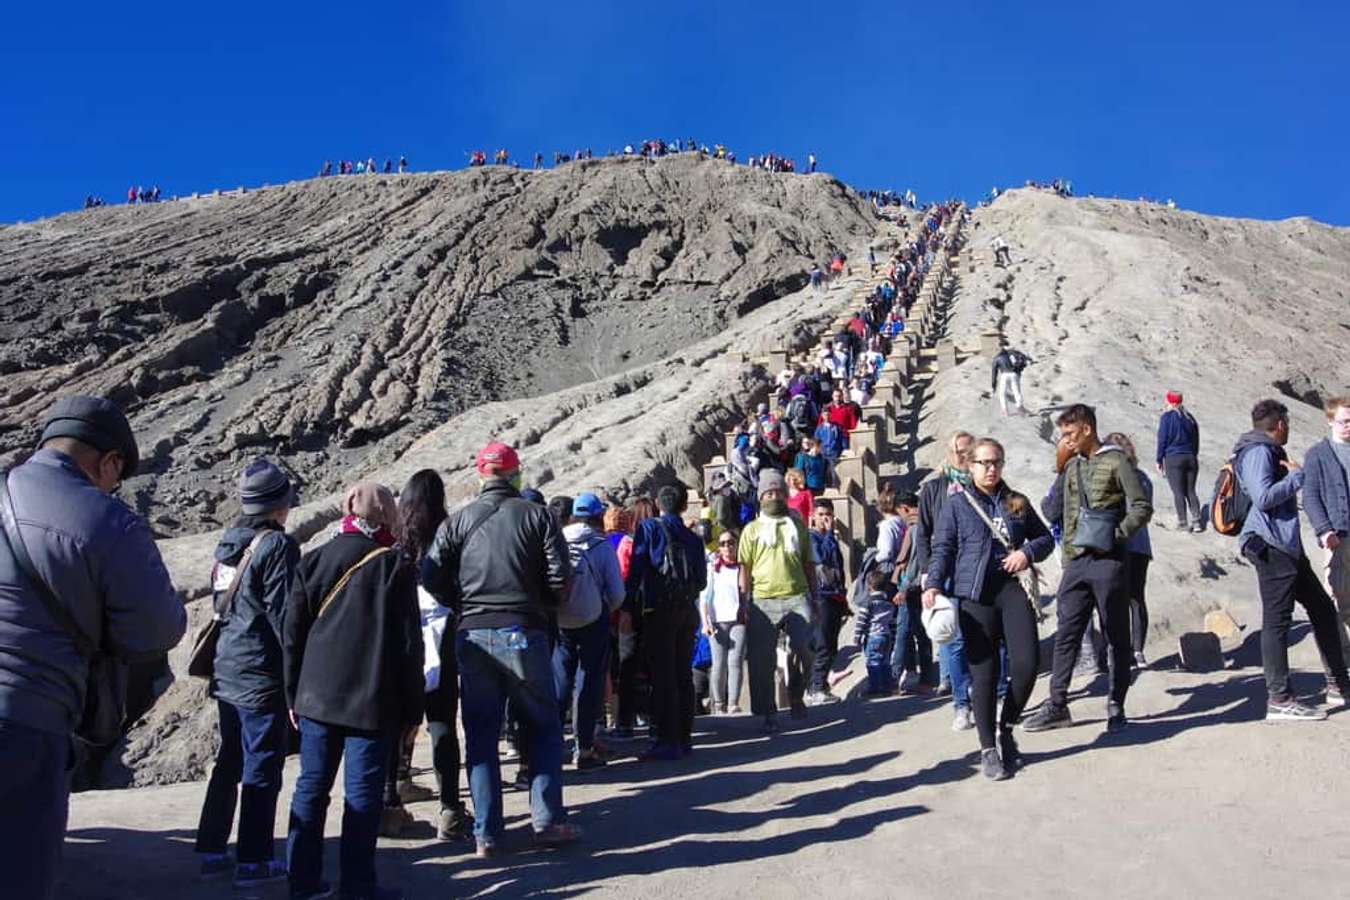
[(1007, 382)]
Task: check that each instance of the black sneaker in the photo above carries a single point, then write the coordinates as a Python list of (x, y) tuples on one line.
[(1292, 711), (1007, 748), (992, 765), (1115, 719), (1047, 718)]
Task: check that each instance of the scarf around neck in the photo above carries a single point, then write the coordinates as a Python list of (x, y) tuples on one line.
[(357, 525), (778, 527)]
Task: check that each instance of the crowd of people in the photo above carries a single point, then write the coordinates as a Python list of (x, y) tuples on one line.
[(523, 618), (363, 167), (653, 150)]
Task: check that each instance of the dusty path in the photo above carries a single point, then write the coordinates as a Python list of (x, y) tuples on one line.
[(1199, 798)]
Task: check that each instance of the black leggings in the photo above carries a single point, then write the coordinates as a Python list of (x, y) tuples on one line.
[(1002, 613)]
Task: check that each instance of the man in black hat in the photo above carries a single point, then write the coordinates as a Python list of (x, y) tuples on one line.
[(99, 562)]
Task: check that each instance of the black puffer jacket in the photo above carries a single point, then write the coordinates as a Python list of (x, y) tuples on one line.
[(359, 664), (512, 570), (248, 655)]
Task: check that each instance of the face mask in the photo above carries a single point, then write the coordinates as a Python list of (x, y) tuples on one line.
[(516, 481), (775, 508)]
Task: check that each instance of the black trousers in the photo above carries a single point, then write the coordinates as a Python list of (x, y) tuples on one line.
[(1002, 614), (1092, 582), (668, 637), (1136, 572), (1282, 579), (628, 671), (1182, 471), (831, 619), (442, 711)]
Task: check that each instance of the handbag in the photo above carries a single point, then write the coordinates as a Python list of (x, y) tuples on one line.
[(105, 689), (1030, 577), (1096, 528), (202, 662)]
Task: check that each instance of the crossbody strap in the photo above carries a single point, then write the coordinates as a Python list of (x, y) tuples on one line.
[(226, 603), (55, 607), (473, 529), (347, 576), (993, 529)]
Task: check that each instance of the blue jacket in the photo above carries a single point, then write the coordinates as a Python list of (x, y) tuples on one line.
[(100, 559), (1273, 492), (831, 438), (649, 547), (964, 550), (829, 565), (1326, 491), (1178, 433), (248, 670)]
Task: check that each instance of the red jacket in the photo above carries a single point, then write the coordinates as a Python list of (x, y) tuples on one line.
[(845, 416)]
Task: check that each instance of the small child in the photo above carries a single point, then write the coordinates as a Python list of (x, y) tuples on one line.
[(874, 633)]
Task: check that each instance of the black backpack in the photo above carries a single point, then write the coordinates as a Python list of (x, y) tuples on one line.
[(674, 569), (801, 415), (1018, 360)]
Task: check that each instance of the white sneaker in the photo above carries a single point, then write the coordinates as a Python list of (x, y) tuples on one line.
[(964, 721)]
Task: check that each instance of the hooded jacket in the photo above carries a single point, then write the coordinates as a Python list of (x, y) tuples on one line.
[(248, 670), (1326, 497), (1273, 491), (100, 559), (513, 569), (597, 585)]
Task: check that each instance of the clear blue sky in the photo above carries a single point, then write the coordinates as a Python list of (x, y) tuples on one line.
[(1231, 108)]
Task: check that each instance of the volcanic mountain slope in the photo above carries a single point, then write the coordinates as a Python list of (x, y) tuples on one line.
[(333, 322)]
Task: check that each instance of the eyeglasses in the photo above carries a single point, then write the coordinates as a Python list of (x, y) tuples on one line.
[(987, 463)]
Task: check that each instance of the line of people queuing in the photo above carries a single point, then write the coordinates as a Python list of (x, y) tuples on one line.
[(363, 167)]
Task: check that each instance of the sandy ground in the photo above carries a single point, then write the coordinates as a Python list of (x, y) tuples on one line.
[(1198, 798)]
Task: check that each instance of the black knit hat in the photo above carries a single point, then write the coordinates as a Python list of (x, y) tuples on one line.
[(97, 422), (263, 487)]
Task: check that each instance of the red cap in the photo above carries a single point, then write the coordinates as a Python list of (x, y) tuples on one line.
[(1174, 397), (497, 459)]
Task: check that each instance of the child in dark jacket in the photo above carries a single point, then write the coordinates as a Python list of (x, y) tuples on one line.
[(874, 633)]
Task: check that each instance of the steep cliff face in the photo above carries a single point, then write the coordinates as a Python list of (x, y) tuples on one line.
[(334, 322)]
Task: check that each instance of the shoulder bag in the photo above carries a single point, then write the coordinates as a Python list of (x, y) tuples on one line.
[(202, 662), (105, 691), (1096, 528), (346, 577), (1030, 577)]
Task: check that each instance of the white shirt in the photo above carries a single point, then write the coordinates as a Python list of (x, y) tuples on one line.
[(722, 597)]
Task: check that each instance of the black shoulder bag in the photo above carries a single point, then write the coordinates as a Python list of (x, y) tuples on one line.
[(1096, 528), (105, 693)]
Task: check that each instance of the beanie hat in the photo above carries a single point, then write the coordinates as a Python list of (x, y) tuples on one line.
[(497, 459), (97, 422), (587, 506), (263, 487), (771, 480), (373, 502), (1174, 397)]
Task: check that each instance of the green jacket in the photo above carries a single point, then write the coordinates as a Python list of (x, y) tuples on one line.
[(1113, 483)]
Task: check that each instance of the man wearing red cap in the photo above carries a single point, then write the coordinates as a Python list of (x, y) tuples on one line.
[(1178, 453), (501, 562)]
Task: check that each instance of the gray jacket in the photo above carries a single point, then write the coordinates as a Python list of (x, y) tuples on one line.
[(599, 591), (1273, 492), (1326, 491), (101, 561)]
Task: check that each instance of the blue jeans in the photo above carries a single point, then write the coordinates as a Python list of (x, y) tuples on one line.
[(909, 627), (365, 757), (877, 652), (954, 668), (580, 659), (248, 769), (34, 798), (497, 664)]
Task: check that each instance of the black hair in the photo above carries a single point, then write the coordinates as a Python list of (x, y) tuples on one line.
[(561, 507), (824, 504), (1266, 414), (670, 499), (876, 579), (908, 498), (1078, 414), (421, 510)]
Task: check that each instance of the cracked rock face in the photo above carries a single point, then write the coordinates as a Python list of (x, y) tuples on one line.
[(334, 322)]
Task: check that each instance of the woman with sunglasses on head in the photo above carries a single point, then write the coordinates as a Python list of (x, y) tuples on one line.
[(724, 615), (984, 537)]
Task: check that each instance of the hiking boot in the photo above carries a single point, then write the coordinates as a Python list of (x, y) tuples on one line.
[(820, 698), (733, 710), (324, 889), (556, 835), (1008, 750), (453, 823), (1292, 711), (393, 821), (484, 849), (215, 865), (1115, 718), (964, 720), (410, 791), (992, 765), (1047, 718), (247, 875), (660, 753)]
